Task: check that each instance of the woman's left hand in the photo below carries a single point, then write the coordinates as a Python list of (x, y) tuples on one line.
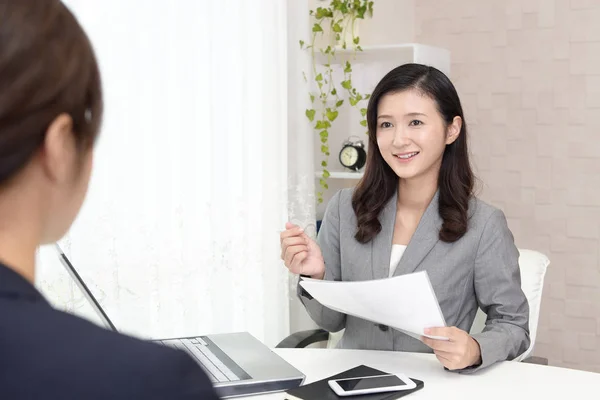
[(460, 351)]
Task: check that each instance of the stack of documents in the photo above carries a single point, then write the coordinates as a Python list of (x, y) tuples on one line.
[(406, 302)]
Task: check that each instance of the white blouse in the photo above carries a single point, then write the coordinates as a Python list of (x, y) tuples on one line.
[(397, 252)]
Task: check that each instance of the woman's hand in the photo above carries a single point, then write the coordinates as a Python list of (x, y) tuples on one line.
[(460, 351), (301, 254)]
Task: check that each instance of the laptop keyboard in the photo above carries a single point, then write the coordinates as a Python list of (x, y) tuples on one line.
[(203, 353)]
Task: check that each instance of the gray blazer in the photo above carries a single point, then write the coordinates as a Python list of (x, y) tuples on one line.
[(479, 270)]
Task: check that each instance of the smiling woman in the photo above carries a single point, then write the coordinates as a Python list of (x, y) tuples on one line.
[(416, 125), (414, 210)]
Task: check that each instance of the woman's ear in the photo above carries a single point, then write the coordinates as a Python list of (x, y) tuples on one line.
[(453, 130), (59, 149)]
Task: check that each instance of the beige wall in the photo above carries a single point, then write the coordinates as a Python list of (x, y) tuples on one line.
[(528, 72)]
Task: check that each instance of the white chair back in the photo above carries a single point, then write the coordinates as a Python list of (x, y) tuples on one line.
[(533, 266)]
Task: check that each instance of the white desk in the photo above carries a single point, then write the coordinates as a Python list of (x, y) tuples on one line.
[(502, 381)]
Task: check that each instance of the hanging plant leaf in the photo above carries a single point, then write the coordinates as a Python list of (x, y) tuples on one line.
[(347, 67), (322, 125), (332, 115), (321, 13), (310, 114)]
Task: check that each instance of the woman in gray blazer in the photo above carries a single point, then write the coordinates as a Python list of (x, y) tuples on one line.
[(415, 210)]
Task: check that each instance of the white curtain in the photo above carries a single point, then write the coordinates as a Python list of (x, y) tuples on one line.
[(301, 162), (180, 231)]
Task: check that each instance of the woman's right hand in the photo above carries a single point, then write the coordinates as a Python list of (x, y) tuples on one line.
[(301, 254)]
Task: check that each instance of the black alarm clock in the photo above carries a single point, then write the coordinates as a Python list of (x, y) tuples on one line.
[(353, 155)]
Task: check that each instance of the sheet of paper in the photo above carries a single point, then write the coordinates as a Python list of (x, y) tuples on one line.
[(406, 302)]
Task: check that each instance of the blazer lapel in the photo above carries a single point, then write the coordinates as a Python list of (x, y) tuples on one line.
[(381, 249), (425, 237)]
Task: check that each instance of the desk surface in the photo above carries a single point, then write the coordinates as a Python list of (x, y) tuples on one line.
[(522, 380)]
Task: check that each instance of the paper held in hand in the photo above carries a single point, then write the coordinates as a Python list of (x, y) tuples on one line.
[(406, 302)]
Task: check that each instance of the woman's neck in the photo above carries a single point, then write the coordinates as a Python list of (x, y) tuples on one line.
[(23, 263), (19, 235), (416, 194)]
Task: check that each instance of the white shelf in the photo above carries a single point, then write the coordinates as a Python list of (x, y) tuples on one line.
[(341, 174), (387, 48), (396, 54)]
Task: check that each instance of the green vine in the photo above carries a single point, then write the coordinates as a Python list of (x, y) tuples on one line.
[(340, 18)]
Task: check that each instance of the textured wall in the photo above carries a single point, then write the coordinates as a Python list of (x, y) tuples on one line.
[(528, 72)]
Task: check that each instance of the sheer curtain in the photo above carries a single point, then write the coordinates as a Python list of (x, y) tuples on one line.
[(301, 162), (180, 231)]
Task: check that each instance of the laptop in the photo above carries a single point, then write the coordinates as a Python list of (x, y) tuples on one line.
[(238, 364)]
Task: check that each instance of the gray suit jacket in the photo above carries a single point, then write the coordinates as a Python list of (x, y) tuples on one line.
[(479, 270)]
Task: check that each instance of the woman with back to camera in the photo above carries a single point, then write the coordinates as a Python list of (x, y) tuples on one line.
[(414, 210), (50, 113)]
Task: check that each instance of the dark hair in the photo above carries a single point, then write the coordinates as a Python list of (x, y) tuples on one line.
[(455, 178), (47, 67)]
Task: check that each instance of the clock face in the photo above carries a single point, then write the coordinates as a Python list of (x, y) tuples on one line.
[(349, 156)]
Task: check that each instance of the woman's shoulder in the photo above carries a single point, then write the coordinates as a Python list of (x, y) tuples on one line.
[(482, 213), (342, 199), (340, 206)]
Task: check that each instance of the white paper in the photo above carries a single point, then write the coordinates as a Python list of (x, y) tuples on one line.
[(406, 302)]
